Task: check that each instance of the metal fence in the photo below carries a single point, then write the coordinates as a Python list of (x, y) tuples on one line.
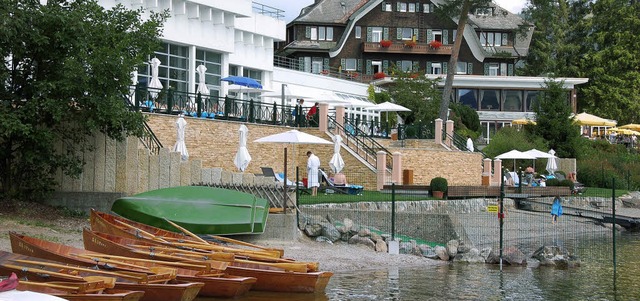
[(480, 217)]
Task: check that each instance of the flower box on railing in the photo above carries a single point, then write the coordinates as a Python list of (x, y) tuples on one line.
[(410, 43), (435, 44), (385, 43), (379, 75)]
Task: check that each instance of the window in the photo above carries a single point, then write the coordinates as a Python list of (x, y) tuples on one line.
[(412, 7), (437, 35), (493, 69), (489, 39), (531, 100), (322, 33), (512, 101), (436, 68), (358, 32), (317, 65), (468, 97), (173, 67), (329, 33), (406, 66), (376, 34), (427, 8), (314, 33), (350, 64), (461, 68), (402, 7), (386, 6), (503, 69), (490, 100), (376, 67), (407, 33)]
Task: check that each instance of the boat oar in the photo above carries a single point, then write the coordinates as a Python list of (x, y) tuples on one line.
[(228, 257), (191, 266), (219, 248), (120, 263), (185, 231), (151, 236), (287, 266), (137, 277), (72, 287), (243, 243)]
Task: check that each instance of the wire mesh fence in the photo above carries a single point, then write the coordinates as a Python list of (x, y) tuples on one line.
[(473, 216)]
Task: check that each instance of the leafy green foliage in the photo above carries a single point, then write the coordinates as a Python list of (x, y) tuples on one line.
[(415, 92), (439, 184), (466, 120), (553, 120), (510, 138), (67, 67)]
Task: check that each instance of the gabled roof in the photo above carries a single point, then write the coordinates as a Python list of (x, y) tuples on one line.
[(329, 11)]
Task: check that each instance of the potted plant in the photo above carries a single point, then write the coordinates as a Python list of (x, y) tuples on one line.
[(439, 187), (435, 44), (379, 75), (410, 43), (385, 43)]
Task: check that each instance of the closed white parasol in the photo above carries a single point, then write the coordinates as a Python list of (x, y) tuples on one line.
[(180, 145), (336, 163), (242, 158), (155, 85)]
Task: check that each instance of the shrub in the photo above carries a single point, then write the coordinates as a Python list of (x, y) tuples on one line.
[(439, 184), (553, 182)]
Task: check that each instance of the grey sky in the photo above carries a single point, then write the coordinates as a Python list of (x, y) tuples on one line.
[(292, 7)]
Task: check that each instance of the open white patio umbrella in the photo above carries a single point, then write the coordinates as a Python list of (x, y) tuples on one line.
[(388, 107), (292, 137), (336, 163), (154, 85), (180, 146), (202, 85), (539, 155), (552, 164), (242, 158), (514, 154)]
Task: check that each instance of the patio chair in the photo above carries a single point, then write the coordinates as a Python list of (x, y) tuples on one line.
[(279, 177), (344, 189)]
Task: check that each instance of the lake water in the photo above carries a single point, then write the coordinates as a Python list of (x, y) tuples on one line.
[(594, 280)]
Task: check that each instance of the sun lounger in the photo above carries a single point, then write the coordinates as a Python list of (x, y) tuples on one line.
[(344, 189)]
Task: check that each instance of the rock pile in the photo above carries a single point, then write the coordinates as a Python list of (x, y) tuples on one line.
[(329, 231)]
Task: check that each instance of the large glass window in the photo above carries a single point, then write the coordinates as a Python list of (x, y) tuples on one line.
[(376, 34), (213, 62), (490, 100), (350, 64), (407, 33), (468, 97), (531, 98), (512, 101), (461, 68), (406, 65), (314, 33), (173, 71), (358, 32)]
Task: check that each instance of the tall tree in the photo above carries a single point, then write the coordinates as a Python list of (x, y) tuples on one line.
[(458, 9), (612, 64), (553, 120), (419, 94), (67, 66)]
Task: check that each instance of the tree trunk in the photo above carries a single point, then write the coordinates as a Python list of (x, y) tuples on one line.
[(451, 70)]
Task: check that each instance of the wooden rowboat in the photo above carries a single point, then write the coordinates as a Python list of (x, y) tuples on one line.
[(154, 286), (202, 210), (269, 278), (119, 226), (219, 285)]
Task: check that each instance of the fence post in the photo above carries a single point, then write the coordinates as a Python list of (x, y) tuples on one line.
[(169, 101), (438, 130), (199, 104), (449, 129), (501, 218), (339, 120), (323, 119), (381, 166), (393, 211), (396, 171), (613, 214)]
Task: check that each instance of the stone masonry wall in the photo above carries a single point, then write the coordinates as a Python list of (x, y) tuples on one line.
[(459, 168)]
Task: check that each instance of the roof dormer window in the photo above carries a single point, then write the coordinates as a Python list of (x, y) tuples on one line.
[(484, 11)]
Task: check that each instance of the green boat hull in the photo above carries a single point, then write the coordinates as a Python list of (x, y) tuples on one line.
[(201, 210)]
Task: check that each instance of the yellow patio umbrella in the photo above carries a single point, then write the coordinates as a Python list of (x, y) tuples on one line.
[(523, 121), (624, 131), (631, 126), (592, 120)]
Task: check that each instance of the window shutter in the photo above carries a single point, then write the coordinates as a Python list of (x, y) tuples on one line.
[(445, 37), (510, 70), (325, 64), (399, 65), (486, 69), (416, 66), (301, 63), (429, 71), (444, 68), (385, 33), (384, 4), (417, 7), (399, 33), (470, 68), (429, 35), (307, 32), (505, 39), (431, 7), (359, 68), (368, 67), (397, 6), (343, 62), (385, 66), (416, 31), (369, 34)]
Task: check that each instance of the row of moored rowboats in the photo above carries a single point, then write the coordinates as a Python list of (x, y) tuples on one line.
[(127, 260)]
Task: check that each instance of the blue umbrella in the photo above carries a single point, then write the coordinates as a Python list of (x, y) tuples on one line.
[(243, 81)]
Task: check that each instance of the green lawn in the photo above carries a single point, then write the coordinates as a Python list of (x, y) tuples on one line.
[(602, 192), (367, 196)]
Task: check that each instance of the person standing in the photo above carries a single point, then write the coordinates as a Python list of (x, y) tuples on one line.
[(469, 144), (556, 209), (312, 115), (313, 164)]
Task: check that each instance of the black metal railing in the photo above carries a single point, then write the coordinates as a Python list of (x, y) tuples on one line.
[(359, 142), (416, 131), (149, 138), (168, 101)]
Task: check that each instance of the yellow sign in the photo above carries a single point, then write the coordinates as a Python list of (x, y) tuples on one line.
[(492, 208)]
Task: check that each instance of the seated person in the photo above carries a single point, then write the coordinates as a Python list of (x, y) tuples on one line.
[(528, 172), (340, 179)]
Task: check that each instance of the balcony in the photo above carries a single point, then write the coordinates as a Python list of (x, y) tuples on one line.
[(399, 47)]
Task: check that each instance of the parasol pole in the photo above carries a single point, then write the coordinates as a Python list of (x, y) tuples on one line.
[(284, 205)]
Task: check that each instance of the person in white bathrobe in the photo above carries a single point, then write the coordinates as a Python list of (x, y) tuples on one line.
[(469, 144), (313, 164)]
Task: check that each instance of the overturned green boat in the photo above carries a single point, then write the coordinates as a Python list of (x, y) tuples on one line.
[(201, 210)]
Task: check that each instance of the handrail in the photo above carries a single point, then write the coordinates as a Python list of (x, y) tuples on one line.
[(149, 138), (362, 143), (460, 143)]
